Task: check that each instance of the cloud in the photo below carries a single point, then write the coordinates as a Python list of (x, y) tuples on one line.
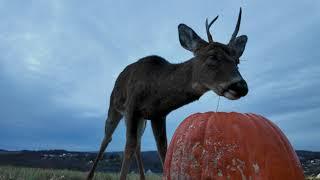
[(59, 61)]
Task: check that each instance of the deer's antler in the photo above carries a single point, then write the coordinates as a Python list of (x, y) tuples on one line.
[(208, 27), (236, 30)]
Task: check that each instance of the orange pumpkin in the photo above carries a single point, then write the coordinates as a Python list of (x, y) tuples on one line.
[(230, 146)]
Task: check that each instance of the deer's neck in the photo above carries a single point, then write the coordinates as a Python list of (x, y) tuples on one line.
[(176, 88), (184, 82)]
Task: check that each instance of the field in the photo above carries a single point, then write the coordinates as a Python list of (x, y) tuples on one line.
[(312, 178), (19, 173)]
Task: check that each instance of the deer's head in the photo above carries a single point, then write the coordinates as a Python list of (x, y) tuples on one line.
[(216, 64)]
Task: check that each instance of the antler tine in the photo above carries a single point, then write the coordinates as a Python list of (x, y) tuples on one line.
[(234, 35), (208, 27)]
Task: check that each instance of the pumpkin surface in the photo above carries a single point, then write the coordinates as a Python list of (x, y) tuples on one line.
[(230, 146)]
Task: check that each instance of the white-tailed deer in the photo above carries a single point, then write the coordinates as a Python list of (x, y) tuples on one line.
[(152, 87)]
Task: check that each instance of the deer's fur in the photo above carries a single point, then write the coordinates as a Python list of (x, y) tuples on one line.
[(152, 87)]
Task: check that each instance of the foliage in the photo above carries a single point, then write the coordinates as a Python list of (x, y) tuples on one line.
[(19, 173)]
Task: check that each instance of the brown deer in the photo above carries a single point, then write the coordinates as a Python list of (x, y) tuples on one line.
[(152, 87)]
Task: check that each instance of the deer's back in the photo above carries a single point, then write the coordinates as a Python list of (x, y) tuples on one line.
[(139, 80)]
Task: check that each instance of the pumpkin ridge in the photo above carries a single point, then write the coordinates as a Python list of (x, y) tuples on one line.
[(204, 139), (175, 145), (287, 146), (184, 138), (260, 125), (281, 141)]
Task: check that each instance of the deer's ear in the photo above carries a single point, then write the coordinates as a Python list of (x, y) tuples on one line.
[(238, 45), (189, 39)]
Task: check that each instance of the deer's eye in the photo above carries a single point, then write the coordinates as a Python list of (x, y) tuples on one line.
[(219, 56), (214, 58), (212, 63)]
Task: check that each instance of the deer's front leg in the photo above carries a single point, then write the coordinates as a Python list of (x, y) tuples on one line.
[(132, 141), (160, 135)]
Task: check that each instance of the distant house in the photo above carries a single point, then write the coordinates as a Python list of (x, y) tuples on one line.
[(149, 171)]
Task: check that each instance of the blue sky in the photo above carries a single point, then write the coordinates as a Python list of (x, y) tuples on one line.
[(59, 60)]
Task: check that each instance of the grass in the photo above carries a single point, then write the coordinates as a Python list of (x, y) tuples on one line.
[(312, 178), (21, 173)]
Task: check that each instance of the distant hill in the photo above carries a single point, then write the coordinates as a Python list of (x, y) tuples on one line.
[(61, 159), (310, 162), (72, 160), (308, 155)]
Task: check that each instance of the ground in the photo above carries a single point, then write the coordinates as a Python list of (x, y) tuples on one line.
[(19, 173)]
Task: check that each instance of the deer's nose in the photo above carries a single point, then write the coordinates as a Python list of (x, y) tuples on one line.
[(240, 87)]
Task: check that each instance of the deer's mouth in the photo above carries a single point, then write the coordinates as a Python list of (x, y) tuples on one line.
[(233, 91), (231, 94), (227, 93)]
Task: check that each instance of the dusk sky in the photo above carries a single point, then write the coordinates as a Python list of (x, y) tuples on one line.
[(59, 60)]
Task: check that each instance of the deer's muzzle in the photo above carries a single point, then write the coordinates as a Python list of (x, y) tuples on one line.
[(239, 88)]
